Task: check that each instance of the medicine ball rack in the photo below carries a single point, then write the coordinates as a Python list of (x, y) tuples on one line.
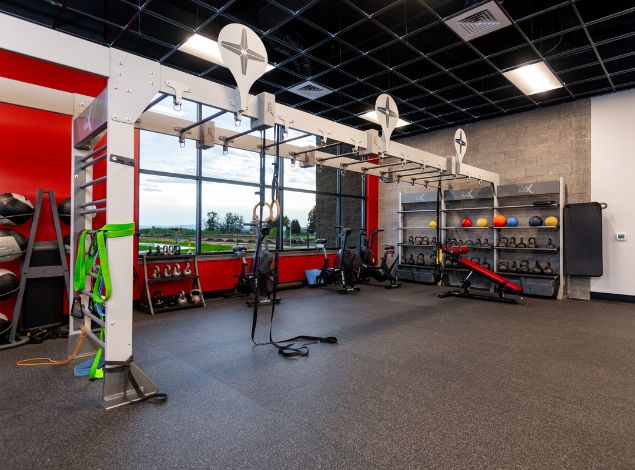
[(148, 307), (474, 202)]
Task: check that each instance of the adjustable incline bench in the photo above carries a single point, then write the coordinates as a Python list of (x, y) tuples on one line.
[(502, 285)]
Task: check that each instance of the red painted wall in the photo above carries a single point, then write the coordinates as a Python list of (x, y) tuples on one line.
[(35, 154)]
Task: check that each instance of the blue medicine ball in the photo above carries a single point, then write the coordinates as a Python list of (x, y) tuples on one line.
[(512, 221)]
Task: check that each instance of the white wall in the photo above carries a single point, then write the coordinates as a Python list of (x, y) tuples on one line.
[(613, 182)]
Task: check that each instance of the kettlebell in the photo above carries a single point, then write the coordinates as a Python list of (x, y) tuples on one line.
[(425, 240), (503, 241), (157, 250), (166, 250), (547, 269), (512, 242), (195, 296), (149, 253), (485, 243), (411, 259), (535, 221), (167, 271), (177, 250), (476, 260), (433, 259), (434, 240), (418, 240), (421, 259), (156, 273), (485, 264), (524, 266), (404, 260), (537, 268), (513, 268), (157, 299), (550, 244), (411, 240), (478, 242), (531, 243), (521, 243), (187, 271), (469, 243), (503, 266), (181, 299), (177, 270)]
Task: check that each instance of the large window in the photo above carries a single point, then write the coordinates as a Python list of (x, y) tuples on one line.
[(204, 199)]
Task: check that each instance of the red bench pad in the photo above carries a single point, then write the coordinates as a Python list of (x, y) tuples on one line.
[(491, 275)]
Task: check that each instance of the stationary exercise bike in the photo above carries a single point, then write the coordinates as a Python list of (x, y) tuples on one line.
[(348, 263), (368, 268)]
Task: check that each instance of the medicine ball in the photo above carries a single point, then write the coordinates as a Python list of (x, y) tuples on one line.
[(481, 222), (67, 242), (499, 220), (8, 284), (12, 245), (512, 221), (535, 221), (466, 222), (64, 210), (4, 323), (551, 221), (15, 209), (432, 224)]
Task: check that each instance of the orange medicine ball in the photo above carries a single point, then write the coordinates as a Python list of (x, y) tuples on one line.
[(499, 220)]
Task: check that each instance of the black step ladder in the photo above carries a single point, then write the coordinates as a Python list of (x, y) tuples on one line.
[(38, 272)]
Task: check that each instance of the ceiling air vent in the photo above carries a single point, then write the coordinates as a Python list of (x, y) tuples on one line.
[(310, 90), (478, 21)]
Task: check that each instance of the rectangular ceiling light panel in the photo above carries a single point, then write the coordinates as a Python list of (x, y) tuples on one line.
[(478, 21), (207, 49), (534, 78)]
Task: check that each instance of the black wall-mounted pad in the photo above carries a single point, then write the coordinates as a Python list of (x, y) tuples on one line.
[(582, 227)]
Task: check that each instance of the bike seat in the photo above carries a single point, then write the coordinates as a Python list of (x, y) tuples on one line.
[(388, 246), (320, 241), (239, 249)]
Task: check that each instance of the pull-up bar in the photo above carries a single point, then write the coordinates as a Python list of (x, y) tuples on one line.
[(183, 130), (284, 141), (334, 144)]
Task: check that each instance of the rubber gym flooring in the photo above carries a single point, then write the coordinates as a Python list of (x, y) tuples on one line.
[(415, 382)]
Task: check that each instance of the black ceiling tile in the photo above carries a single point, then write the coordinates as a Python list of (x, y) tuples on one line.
[(514, 58), (357, 107), (405, 16), (616, 48), (471, 101), (515, 103), (582, 87), (572, 60), (263, 85), (282, 77), (485, 110), (426, 101), (298, 34), (504, 93), (518, 9), (212, 5), (489, 83), (304, 65), (360, 90), (332, 15), (141, 46), (593, 9), (362, 67), (259, 14), (407, 92), (455, 93), (498, 41), (187, 14), (438, 82), (372, 6), (414, 116), (114, 12), (333, 79), (38, 12), (334, 114), (334, 52), (557, 94), (313, 107), (433, 39), (386, 81), (221, 75), (418, 69), (335, 99), (550, 22), (621, 63), (581, 73), (562, 43), (447, 7), (367, 36), (354, 121), (188, 62), (454, 56), (441, 109), (474, 70), (83, 26), (288, 98), (624, 78), (606, 30), (161, 30), (394, 54), (277, 51), (433, 122)]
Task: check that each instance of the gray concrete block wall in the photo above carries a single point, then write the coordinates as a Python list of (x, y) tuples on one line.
[(538, 145)]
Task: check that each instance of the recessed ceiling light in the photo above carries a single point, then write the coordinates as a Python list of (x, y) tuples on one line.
[(534, 78), (207, 49), (372, 117)]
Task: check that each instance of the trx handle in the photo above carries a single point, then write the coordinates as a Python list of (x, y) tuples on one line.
[(98, 251)]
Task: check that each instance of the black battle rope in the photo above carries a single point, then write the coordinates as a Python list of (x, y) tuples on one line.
[(286, 347)]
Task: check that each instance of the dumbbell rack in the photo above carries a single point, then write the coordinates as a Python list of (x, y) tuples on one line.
[(148, 307)]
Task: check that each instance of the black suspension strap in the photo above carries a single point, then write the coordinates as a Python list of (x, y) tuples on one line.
[(287, 347)]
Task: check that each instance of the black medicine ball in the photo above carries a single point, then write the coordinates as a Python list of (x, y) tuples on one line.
[(15, 209), (8, 284), (64, 210), (12, 245)]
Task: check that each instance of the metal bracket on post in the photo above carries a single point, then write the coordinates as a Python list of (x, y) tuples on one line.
[(207, 136), (179, 88), (286, 124), (309, 158), (266, 112)]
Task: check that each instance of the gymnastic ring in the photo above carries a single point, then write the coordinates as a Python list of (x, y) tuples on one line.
[(270, 217)]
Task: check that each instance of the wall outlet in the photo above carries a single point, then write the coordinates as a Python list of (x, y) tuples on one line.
[(620, 236)]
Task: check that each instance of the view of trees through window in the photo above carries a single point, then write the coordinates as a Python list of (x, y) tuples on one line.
[(203, 200)]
